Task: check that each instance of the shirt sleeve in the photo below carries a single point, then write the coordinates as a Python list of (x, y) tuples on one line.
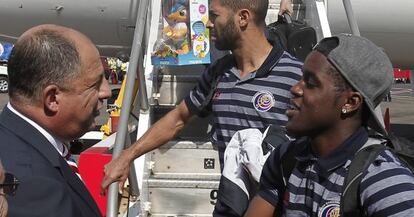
[(271, 180), (387, 189), (199, 93)]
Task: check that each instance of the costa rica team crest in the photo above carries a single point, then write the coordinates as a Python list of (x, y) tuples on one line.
[(263, 101), (330, 209)]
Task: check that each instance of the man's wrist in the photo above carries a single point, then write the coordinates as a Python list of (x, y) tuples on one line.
[(128, 155)]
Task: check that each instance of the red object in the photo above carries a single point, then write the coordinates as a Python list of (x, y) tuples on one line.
[(114, 80), (401, 74), (114, 123), (91, 165)]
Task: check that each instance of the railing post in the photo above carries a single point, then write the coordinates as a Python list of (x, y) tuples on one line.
[(323, 18), (412, 82), (136, 52), (132, 177), (351, 18)]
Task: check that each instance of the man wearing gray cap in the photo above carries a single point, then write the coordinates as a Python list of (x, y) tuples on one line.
[(344, 78)]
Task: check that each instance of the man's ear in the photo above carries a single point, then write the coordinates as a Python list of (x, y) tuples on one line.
[(50, 98), (245, 16), (354, 102)]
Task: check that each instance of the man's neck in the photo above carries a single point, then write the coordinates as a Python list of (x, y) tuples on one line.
[(252, 53), (325, 143), (24, 113)]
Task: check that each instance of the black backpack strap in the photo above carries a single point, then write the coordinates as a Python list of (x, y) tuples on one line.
[(350, 200), (275, 136), (288, 157), (288, 162), (218, 69)]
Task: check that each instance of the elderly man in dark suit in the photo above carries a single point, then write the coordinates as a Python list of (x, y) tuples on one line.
[(56, 89)]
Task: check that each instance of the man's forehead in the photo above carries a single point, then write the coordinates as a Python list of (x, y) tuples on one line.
[(316, 61), (215, 5)]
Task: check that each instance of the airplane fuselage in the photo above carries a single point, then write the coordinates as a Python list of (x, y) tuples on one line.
[(110, 24)]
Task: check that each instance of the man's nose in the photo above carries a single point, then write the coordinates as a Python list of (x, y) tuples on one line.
[(296, 89), (209, 24)]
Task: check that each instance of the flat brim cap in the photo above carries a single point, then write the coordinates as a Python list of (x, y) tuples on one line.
[(367, 69)]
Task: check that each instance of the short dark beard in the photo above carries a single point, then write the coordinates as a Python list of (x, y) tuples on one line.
[(229, 37)]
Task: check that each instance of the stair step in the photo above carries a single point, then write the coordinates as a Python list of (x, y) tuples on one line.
[(172, 84), (188, 144), (188, 158), (181, 215), (181, 183), (187, 176), (182, 197)]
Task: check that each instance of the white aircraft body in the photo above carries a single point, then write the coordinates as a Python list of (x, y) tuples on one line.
[(387, 23), (110, 24)]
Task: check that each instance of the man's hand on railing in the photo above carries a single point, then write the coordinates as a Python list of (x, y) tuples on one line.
[(286, 7), (116, 171)]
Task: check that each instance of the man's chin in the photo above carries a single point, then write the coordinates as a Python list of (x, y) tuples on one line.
[(293, 132), (221, 46), (91, 127)]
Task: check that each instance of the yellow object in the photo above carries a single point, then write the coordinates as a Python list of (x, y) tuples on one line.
[(115, 111)]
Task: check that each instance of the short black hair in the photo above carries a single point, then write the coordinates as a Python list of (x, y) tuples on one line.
[(258, 7), (325, 47), (339, 81), (40, 59)]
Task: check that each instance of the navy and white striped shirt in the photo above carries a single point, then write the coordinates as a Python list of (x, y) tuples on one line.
[(315, 185), (254, 101)]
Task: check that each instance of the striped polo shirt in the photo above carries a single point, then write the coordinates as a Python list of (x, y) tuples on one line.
[(315, 185), (254, 101)]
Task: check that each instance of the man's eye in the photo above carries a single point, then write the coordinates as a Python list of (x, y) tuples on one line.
[(309, 80), (212, 16), (310, 83)]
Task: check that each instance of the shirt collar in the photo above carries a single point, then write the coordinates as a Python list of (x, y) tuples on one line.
[(339, 156), (55, 142), (269, 63), (266, 67)]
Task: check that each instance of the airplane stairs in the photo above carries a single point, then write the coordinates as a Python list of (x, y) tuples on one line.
[(182, 176)]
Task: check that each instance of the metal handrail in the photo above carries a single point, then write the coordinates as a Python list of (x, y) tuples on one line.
[(136, 52), (317, 17), (351, 18)]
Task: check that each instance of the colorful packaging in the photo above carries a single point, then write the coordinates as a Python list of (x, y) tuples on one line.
[(185, 38)]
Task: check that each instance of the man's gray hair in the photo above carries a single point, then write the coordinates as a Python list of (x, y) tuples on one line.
[(40, 59)]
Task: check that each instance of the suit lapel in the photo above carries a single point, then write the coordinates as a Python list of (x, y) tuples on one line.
[(32, 136), (77, 185)]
